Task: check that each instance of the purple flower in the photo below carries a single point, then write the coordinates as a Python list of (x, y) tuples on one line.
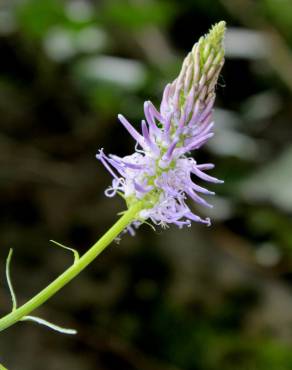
[(161, 172)]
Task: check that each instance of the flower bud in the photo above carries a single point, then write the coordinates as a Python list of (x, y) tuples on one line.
[(198, 76)]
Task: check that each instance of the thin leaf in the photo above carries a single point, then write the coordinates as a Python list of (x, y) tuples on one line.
[(49, 325), (8, 278), (74, 251)]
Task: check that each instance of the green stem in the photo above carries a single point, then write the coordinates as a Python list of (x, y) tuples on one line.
[(72, 271)]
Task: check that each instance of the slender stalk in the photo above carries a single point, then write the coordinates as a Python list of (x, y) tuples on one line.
[(72, 271)]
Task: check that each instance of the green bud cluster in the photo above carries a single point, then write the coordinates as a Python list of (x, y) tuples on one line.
[(200, 69)]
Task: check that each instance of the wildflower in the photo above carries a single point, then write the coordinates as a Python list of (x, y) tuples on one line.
[(160, 172)]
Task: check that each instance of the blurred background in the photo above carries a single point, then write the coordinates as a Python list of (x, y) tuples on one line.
[(216, 298)]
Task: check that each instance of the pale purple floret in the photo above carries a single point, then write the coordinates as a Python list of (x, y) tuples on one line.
[(160, 168)]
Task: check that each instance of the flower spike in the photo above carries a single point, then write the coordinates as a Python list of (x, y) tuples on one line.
[(160, 172)]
